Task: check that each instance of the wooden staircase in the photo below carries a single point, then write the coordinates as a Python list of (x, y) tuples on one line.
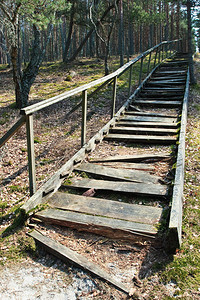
[(142, 123), (119, 196)]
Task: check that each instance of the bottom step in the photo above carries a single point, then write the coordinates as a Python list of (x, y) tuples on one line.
[(68, 255)]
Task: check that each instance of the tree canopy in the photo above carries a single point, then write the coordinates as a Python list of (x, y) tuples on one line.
[(35, 30)]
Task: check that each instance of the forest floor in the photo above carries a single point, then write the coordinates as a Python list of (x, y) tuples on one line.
[(34, 274)]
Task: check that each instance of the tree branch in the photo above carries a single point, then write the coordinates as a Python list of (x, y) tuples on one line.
[(3, 8)]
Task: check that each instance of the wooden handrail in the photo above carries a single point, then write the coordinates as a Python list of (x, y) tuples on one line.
[(27, 112), (12, 130), (45, 103)]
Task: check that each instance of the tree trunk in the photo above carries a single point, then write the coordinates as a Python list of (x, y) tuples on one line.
[(23, 86), (70, 33), (88, 35), (121, 34), (192, 78), (16, 75)]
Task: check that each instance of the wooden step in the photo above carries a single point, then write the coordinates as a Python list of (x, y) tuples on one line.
[(70, 256), (145, 97), (111, 227), (175, 72), (165, 96), (148, 119), (159, 85), (176, 62), (167, 81), (119, 174), (147, 139), (146, 124), (169, 77), (147, 130), (163, 89), (107, 208), (118, 186), (135, 158), (160, 93), (130, 166), (142, 113), (159, 103)]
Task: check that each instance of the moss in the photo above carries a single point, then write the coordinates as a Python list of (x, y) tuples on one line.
[(3, 205), (45, 161), (37, 140), (68, 78), (16, 188), (13, 105)]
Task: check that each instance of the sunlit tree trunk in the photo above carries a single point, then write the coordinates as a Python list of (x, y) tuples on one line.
[(192, 78)]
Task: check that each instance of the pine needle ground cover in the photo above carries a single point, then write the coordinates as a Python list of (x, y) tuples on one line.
[(56, 133)]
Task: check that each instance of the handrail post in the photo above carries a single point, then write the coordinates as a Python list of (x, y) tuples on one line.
[(166, 51), (114, 97), (84, 118), (31, 154), (149, 62), (159, 54), (155, 58), (162, 52), (130, 79), (141, 66)]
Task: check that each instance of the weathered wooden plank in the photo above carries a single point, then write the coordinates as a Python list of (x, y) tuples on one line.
[(139, 130), (137, 113), (106, 208), (12, 131), (134, 158), (170, 72), (163, 89), (31, 154), (52, 184), (118, 186), (120, 174), (175, 222), (97, 224), (159, 103), (163, 94), (146, 124), (171, 77), (166, 81), (170, 97), (177, 61), (148, 119), (141, 138), (68, 255), (131, 166)]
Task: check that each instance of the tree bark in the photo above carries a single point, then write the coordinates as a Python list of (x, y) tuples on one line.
[(16, 75), (121, 34), (70, 32), (32, 69), (191, 66), (87, 36)]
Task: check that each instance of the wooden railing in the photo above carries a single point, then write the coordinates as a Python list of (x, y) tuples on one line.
[(162, 51), (175, 221)]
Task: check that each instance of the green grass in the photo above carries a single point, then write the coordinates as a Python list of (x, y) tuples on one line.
[(184, 270)]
